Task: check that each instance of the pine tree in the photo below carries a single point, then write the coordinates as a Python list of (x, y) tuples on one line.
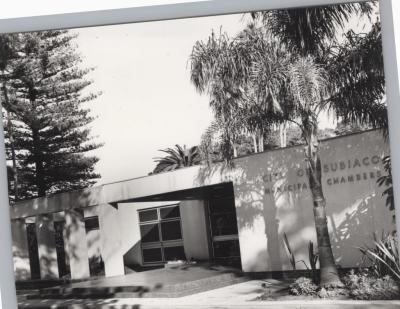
[(46, 121)]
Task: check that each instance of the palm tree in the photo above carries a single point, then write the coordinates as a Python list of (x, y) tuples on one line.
[(177, 158), (311, 30), (223, 68), (293, 86)]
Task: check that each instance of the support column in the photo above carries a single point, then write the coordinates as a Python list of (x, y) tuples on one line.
[(47, 246), (8, 297), (390, 19), (76, 246), (20, 249), (110, 234)]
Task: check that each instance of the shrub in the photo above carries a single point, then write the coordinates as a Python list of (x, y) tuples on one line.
[(303, 286), (313, 259), (363, 286), (384, 258)]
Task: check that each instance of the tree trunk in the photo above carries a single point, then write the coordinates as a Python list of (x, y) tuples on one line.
[(260, 142), (13, 156), (283, 135), (11, 139), (40, 181), (255, 143), (329, 276)]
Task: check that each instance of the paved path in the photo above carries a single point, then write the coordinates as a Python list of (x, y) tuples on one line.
[(240, 296)]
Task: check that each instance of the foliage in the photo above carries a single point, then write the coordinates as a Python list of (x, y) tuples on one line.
[(384, 257), (177, 158), (333, 292), (343, 128), (289, 251), (387, 181), (223, 69), (303, 286), (46, 123), (357, 87), (313, 260), (290, 69), (312, 256), (363, 286), (310, 30), (96, 266)]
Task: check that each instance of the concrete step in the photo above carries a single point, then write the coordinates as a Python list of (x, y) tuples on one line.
[(169, 291)]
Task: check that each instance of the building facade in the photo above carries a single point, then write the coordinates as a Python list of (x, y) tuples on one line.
[(234, 216)]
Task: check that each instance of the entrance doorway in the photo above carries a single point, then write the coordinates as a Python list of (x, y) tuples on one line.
[(62, 258), (33, 250), (224, 231), (202, 227)]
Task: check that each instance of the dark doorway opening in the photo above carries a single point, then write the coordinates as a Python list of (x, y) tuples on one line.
[(62, 258), (223, 227), (33, 250), (96, 263)]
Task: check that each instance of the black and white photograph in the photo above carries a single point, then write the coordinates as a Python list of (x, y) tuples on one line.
[(214, 161)]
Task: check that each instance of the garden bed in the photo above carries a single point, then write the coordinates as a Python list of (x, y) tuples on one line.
[(361, 285)]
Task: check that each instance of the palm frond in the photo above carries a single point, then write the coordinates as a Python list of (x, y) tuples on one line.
[(307, 30), (177, 158), (357, 78)]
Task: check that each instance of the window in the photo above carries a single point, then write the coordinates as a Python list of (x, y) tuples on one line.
[(171, 230), (174, 253), (91, 223), (170, 212), (161, 234), (152, 255), (150, 232), (148, 215)]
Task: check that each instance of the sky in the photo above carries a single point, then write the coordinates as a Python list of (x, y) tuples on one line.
[(147, 101)]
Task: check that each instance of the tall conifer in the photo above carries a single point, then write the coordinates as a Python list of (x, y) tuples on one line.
[(43, 92)]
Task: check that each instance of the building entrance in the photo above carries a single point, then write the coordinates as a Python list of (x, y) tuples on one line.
[(224, 231)]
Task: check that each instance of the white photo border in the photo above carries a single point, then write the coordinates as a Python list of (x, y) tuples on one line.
[(138, 12)]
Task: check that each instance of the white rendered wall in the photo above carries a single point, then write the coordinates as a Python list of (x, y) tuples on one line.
[(93, 237), (195, 230), (20, 250), (111, 240), (355, 209)]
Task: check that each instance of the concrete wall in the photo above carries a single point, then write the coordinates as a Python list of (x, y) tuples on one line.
[(93, 241), (20, 250), (195, 230), (271, 197)]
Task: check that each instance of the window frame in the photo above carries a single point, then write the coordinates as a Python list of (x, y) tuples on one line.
[(161, 243)]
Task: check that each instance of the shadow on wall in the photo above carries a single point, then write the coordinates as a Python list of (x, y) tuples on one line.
[(48, 262), (265, 207), (355, 205), (21, 265), (50, 204), (135, 250), (268, 200), (272, 197)]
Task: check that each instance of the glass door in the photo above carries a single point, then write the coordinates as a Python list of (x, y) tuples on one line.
[(224, 232)]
